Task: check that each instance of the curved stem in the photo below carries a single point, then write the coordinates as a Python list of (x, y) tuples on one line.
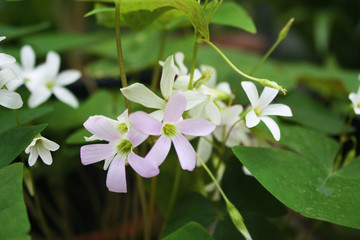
[(264, 82), (193, 61), (119, 51)]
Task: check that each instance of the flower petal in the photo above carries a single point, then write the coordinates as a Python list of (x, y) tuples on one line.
[(196, 127), (67, 77), (44, 154), (138, 93), (277, 109), (185, 152), (102, 128), (38, 96), (6, 75), (204, 149), (212, 81), (116, 177), (93, 153), (33, 156), (266, 97), (231, 114), (193, 98), (158, 114), (252, 119), (6, 59), (175, 107), (182, 82), (27, 56), (144, 167), (136, 137), (273, 127), (167, 78), (50, 145), (212, 112), (251, 92), (52, 64), (179, 59), (225, 87), (159, 151), (145, 123), (10, 99), (66, 96)]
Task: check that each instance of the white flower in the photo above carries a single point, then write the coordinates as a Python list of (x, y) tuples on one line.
[(25, 71), (48, 80), (41, 146), (8, 99), (261, 108), (355, 99), (139, 93)]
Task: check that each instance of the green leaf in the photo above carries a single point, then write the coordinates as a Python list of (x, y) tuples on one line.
[(190, 231), (234, 15), (12, 32), (78, 137), (304, 181), (7, 118), (184, 212), (13, 216), (14, 141), (190, 8)]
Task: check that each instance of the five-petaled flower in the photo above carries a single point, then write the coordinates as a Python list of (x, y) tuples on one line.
[(41, 146), (171, 129), (261, 108), (116, 153)]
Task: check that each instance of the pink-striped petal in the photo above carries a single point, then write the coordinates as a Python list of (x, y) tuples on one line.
[(273, 127), (252, 119), (116, 177), (145, 123), (159, 151), (196, 127), (93, 153), (143, 166), (102, 128), (175, 108), (136, 137), (185, 152), (251, 92)]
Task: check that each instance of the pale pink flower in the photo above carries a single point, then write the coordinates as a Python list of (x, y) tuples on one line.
[(116, 153), (171, 129)]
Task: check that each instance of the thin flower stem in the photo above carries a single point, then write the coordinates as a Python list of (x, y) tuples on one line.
[(119, 51), (143, 206), (193, 61), (173, 196), (17, 118), (152, 201), (156, 75), (205, 4), (214, 12), (264, 82)]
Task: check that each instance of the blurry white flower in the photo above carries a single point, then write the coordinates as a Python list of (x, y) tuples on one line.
[(48, 80), (41, 146), (261, 108), (355, 99)]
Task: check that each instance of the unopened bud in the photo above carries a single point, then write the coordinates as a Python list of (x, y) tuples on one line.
[(272, 84), (205, 77), (283, 33), (237, 220)]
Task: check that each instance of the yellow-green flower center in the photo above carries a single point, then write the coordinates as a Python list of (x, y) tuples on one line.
[(124, 147), (257, 111), (49, 85), (122, 128), (169, 130)]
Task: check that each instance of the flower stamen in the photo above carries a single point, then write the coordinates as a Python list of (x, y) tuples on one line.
[(169, 130)]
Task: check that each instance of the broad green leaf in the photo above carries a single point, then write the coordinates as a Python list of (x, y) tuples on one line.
[(14, 141), (190, 231), (7, 117), (78, 137), (100, 103), (13, 216), (184, 211), (312, 113), (12, 32), (304, 181), (192, 10), (232, 14), (103, 68)]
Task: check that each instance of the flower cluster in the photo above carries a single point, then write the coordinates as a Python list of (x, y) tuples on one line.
[(188, 108), (43, 80)]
